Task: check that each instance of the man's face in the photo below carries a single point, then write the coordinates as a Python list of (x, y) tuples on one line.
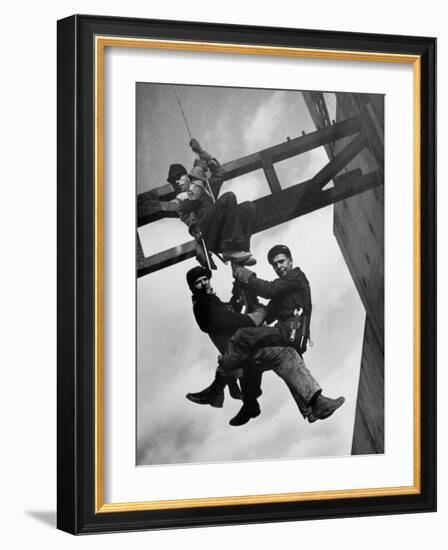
[(282, 264), (203, 283), (183, 182)]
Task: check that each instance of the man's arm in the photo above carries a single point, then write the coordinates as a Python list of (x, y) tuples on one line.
[(208, 160), (189, 201), (294, 280)]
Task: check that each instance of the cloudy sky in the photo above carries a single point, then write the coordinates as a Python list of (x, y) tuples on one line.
[(173, 356)]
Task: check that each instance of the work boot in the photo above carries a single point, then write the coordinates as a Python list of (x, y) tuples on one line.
[(213, 395), (247, 411), (214, 399), (247, 261), (239, 256), (324, 407)]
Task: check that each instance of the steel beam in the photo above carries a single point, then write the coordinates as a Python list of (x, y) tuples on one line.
[(140, 253), (340, 161), (260, 160), (149, 211), (272, 210), (292, 147), (166, 258), (270, 174)]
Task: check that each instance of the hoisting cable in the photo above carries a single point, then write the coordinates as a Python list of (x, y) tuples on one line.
[(209, 190), (204, 246), (182, 111)]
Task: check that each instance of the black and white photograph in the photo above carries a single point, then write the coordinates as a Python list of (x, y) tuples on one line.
[(259, 274), (168, 166)]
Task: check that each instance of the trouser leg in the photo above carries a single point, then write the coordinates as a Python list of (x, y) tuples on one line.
[(232, 385), (251, 385), (287, 363), (246, 341), (247, 211), (221, 226), (215, 184)]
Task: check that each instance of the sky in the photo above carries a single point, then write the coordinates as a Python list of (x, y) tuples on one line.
[(173, 356)]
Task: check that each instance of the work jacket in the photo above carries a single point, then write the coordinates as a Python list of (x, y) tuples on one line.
[(217, 319), (192, 205), (286, 294)]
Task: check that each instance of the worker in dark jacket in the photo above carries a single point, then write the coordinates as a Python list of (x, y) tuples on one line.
[(290, 306), (220, 322)]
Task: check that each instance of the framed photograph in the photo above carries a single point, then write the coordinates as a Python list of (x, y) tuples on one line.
[(246, 274)]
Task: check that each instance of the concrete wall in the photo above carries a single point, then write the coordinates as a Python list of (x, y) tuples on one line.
[(359, 231)]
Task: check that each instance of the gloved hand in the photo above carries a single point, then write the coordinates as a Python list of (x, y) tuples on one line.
[(195, 145), (195, 232), (258, 315), (236, 302), (241, 274)]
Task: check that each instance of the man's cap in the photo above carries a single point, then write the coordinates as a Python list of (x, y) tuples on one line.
[(175, 172), (194, 273), (276, 250), (197, 173)]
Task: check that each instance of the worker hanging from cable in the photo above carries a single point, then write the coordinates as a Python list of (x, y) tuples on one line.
[(218, 225)]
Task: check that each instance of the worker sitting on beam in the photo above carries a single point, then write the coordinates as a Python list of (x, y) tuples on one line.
[(222, 225)]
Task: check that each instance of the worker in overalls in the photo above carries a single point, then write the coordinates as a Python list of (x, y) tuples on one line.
[(223, 226), (290, 307)]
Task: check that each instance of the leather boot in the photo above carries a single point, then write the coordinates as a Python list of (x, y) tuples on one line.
[(213, 395), (324, 407), (248, 410), (239, 257)]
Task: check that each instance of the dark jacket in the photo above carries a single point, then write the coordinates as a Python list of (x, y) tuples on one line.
[(290, 292), (217, 319)]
